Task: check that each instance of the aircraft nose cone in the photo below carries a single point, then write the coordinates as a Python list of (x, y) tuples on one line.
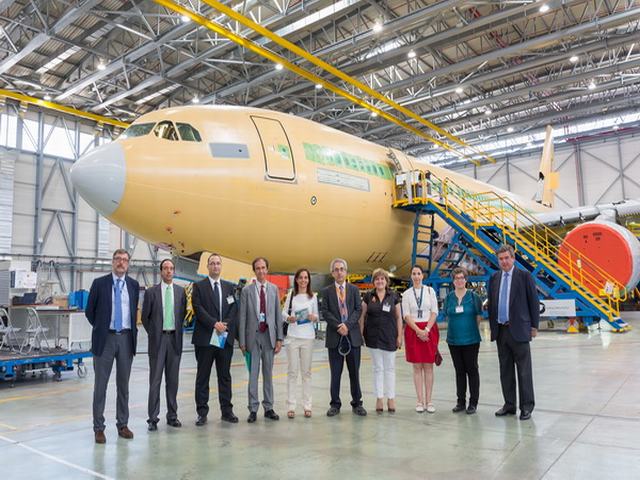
[(99, 176)]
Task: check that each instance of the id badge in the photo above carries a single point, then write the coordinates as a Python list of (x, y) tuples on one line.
[(459, 309), (419, 313), (262, 317), (230, 300), (386, 307)]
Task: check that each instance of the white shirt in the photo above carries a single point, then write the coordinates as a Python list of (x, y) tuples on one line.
[(428, 305), (258, 285), (300, 302), (163, 291), (213, 289), (124, 303)]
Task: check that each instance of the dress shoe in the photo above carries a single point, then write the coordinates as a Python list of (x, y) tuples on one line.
[(124, 432), (174, 423), (252, 417), (471, 409), (505, 411), (100, 438), (201, 420), (457, 408), (360, 411), (525, 414), (153, 426), (229, 417), (270, 414), (333, 411)]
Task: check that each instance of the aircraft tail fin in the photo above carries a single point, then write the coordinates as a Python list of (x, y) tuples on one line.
[(547, 179)]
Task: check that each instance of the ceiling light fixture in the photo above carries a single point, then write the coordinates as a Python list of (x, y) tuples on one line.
[(544, 8), (459, 90), (47, 97), (411, 54), (488, 112), (195, 99), (377, 27), (101, 66), (510, 130), (318, 86), (374, 114), (573, 59), (592, 85), (185, 19), (279, 66)]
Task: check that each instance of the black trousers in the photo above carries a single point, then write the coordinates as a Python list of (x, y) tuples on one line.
[(515, 356), (465, 361), (336, 365), (166, 361), (205, 356)]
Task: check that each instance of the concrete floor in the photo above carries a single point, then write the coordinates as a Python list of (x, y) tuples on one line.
[(586, 425)]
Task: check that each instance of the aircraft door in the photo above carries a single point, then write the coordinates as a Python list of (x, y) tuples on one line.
[(278, 156)]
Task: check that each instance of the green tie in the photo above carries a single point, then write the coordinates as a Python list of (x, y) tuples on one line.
[(168, 323)]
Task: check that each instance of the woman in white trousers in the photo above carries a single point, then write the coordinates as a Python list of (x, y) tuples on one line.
[(301, 312)]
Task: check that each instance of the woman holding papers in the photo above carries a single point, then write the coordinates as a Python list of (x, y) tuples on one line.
[(421, 336), (381, 326), (301, 313)]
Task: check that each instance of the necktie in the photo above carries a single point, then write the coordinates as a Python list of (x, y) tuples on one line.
[(263, 310), (168, 322), (117, 314), (503, 301), (343, 304), (216, 299)]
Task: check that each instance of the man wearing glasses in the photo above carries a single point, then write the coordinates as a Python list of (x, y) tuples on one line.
[(111, 310), (341, 307)]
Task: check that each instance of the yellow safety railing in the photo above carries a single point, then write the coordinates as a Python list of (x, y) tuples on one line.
[(540, 244)]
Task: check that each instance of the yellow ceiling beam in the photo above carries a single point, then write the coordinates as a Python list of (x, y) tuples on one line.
[(62, 108), (340, 74), (250, 45)]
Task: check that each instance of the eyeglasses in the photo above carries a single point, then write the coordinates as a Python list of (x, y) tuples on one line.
[(459, 278), (121, 259)]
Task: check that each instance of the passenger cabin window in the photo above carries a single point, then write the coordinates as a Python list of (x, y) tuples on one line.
[(166, 130), (188, 133), (137, 130)]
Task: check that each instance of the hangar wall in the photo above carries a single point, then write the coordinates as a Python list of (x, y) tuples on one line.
[(42, 218), (592, 171)]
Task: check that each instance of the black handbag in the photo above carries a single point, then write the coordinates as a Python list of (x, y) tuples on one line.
[(285, 326)]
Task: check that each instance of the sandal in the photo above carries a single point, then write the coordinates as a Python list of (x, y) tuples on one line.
[(419, 408), (307, 413), (291, 414), (430, 408)]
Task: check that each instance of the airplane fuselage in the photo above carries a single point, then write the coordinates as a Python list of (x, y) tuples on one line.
[(263, 183)]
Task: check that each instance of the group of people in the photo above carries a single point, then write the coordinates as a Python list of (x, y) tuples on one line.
[(382, 320)]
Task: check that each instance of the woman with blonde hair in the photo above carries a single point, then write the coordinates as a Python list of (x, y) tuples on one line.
[(381, 327)]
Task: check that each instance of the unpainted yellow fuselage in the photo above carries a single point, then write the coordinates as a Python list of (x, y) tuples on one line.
[(301, 194)]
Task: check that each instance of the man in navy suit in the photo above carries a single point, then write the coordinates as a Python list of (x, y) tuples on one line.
[(216, 308), (341, 307), (111, 310), (514, 314)]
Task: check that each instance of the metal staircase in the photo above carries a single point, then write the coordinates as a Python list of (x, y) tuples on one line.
[(485, 220)]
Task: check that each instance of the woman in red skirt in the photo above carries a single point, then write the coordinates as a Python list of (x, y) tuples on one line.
[(421, 336)]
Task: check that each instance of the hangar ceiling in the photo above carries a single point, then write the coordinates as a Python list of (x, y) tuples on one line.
[(484, 70)]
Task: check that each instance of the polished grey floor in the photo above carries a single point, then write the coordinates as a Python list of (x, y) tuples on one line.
[(586, 425)]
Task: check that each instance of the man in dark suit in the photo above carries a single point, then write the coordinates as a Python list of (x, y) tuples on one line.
[(216, 309), (341, 307), (111, 310), (514, 314), (163, 312)]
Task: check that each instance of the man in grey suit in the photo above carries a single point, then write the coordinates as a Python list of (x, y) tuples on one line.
[(163, 311), (111, 311), (260, 329)]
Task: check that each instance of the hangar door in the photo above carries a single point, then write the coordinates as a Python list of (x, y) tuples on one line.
[(278, 157)]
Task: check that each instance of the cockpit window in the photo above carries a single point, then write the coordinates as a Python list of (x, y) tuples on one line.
[(188, 133), (166, 130), (137, 130)]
